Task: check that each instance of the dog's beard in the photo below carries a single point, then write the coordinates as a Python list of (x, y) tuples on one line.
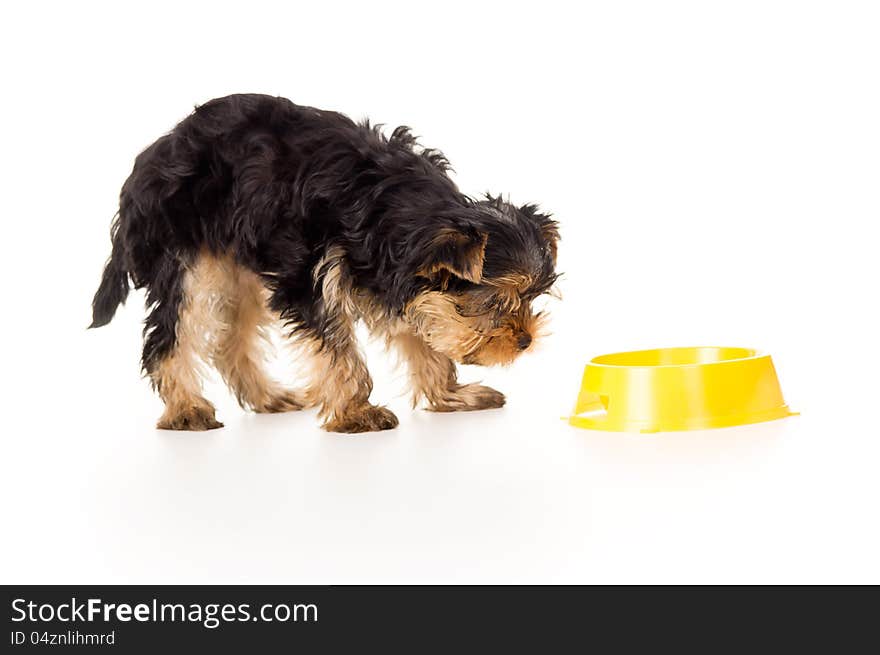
[(470, 337)]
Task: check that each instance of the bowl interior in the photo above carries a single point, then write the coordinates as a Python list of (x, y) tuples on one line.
[(675, 356)]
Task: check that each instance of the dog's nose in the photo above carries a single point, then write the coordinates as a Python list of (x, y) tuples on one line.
[(524, 341)]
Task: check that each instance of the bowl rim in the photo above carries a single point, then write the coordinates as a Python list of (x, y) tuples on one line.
[(753, 354)]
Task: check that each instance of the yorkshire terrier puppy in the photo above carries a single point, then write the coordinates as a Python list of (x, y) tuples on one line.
[(255, 210)]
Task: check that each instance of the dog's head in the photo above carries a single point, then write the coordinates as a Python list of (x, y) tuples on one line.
[(481, 275)]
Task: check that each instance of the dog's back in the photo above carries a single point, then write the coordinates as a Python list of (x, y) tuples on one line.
[(214, 180)]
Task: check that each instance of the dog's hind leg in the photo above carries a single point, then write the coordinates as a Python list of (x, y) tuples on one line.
[(180, 328), (243, 345)]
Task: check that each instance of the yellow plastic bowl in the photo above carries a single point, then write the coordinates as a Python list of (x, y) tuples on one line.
[(670, 389)]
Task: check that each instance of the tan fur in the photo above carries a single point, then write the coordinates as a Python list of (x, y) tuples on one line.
[(551, 234), (474, 257), (507, 289), (466, 331), (340, 381), (244, 342), (223, 320), (433, 378), (178, 377), (434, 317)]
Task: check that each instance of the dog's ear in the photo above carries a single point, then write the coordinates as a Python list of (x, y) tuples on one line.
[(454, 251), (548, 227)]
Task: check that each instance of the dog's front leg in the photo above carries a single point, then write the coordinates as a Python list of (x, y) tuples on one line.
[(341, 387), (433, 377), (340, 382)]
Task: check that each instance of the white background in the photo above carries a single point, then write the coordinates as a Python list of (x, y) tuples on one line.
[(714, 167)]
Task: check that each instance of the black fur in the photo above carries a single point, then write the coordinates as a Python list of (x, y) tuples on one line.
[(277, 184)]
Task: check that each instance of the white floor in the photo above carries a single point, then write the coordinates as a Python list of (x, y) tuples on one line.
[(94, 494)]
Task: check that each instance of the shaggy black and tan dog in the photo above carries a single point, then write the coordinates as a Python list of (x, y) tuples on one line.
[(254, 209)]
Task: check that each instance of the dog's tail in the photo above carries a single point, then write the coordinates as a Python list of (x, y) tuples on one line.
[(114, 286)]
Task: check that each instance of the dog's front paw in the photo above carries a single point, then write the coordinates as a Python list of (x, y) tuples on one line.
[(368, 418), (196, 418), (468, 397)]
